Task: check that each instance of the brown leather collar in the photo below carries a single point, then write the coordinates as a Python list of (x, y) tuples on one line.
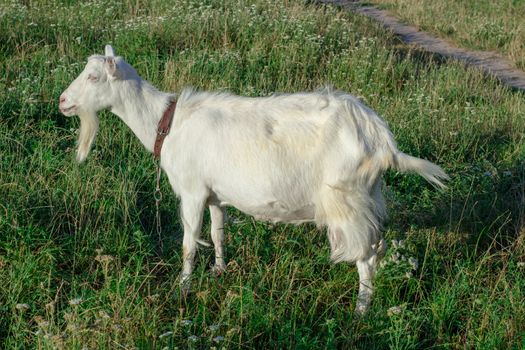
[(163, 128)]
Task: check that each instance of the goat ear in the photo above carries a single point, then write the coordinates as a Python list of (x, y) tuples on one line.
[(109, 51), (111, 67)]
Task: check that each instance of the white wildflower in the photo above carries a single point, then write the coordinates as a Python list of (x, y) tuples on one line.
[(218, 339), (75, 301), (193, 338), (394, 310), (395, 257), (22, 307), (413, 263), (214, 327), (50, 307), (165, 334), (186, 322), (103, 314), (104, 258), (41, 322)]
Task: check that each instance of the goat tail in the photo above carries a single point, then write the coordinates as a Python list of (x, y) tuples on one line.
[(430, 171)]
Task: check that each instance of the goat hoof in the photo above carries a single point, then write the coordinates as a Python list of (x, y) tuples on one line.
[(184, 291), (360, 311), (184, 286), (361, 308), (218, 269)]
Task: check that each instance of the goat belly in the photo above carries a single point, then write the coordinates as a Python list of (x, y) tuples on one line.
[(276, 211), (279, 198)]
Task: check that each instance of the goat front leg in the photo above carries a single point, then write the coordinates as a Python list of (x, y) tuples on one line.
[(217, 236), (192, 210)]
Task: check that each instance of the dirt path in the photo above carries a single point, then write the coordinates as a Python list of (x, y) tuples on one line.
[(489, 62)]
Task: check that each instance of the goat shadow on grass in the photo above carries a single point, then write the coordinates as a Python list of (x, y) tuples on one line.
[(496, 197), (487, 204)]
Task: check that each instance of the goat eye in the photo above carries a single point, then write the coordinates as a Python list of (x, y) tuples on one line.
[(92, 77)]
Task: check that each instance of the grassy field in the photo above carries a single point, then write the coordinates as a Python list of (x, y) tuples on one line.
[(478, 24), (82, 267)]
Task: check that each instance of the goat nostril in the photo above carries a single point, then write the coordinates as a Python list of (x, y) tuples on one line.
[(62, 99)]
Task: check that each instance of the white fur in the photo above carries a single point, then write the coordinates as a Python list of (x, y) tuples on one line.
[(293, 158)]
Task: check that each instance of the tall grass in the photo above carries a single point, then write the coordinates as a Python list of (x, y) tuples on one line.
[(81, 265), (481, 24)]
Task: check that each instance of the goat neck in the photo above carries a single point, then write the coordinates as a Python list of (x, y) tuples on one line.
[(141, 106)]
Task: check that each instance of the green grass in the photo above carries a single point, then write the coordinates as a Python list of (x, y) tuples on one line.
[(478, 24), (70, 231)]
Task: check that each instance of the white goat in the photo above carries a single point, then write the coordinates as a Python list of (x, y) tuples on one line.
[(293, 158)]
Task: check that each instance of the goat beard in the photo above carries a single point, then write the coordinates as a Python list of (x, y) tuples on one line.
[(86, 136)]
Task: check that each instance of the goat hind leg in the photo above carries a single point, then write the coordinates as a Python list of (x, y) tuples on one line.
[(366, 269), (366, 262)]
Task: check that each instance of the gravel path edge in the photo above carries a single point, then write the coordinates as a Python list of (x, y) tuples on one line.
[(489, 62)]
